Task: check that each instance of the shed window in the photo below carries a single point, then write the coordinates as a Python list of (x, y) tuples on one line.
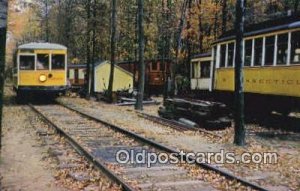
[(258, 51), (282, 49), (248, 52), (58, 61), (26, 62), (230, 54), (205, 69), (269, 53), (295, 48), (223, 55), (42, 62), (154, 66)]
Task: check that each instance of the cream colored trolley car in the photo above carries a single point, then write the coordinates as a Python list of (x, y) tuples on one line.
[(271, 66), (40, 68), (201, 72)]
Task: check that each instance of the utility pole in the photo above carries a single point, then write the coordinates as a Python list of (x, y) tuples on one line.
[(113, 48), (141, 87), (3, 25), (239, 136)]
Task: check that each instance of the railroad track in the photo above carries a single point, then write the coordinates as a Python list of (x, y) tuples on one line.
[(174, 124), (99, 142)]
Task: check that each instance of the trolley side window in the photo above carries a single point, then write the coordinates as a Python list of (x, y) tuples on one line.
[(205, 69), (248, 52), (194, 70), (42, 62), (258, 51), (230, 54), (269, 53), (58, 61), (282, 49), (295, 48), (26, 62), (223, 55)]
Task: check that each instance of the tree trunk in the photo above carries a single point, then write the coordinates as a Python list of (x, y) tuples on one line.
[(93, 47), (135, 83), (216, 22), (239, 136), (3, 12), (113, 49), (140, 96), (88, 49), (200, 27), (296, 5), (178, 44), (224, 16), (165, 41), (47, 21), (189, 40)]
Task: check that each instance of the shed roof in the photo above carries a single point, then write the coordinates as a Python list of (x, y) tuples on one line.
[(43, 46), (147, 61), (202, 55), (76, 65), (101, 63)]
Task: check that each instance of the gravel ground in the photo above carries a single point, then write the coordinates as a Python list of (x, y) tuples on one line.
[(34, 157), (281, 176), (21, 165)]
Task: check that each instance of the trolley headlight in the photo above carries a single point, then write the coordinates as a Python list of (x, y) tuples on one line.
[(43, 78)]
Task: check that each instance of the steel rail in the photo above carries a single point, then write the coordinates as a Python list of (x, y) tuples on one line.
[(169, 149), (101, 166), (174, 124)]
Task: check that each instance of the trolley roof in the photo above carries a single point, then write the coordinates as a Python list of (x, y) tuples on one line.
[(42, 46), (202, 55), (264, 28)]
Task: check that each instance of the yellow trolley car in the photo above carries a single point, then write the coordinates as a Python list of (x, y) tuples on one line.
[(40, 68), (271, 65)]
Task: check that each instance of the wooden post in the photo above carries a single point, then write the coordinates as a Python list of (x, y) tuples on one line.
[(239, 136), (113, 49), (3, 18), (141, 87)]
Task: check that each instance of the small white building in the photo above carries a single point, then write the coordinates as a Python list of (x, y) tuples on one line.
[(123, 80), (76, 74), (201, 72)]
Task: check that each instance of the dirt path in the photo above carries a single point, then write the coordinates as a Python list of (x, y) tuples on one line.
[(21, 164)]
